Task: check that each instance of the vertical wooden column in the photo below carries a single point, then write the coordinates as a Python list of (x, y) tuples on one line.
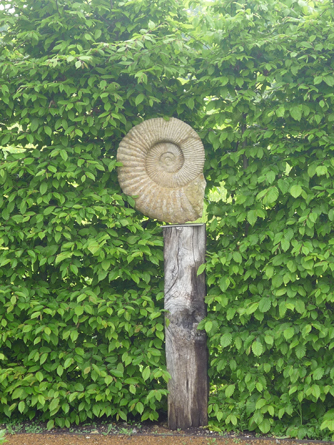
[(186, 349)]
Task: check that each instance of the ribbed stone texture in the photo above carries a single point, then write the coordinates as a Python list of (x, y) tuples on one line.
[(162, 165)]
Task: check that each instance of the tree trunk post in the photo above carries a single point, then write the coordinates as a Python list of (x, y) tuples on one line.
[(186, 349)]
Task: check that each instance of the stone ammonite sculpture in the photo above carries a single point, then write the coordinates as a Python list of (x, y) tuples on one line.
[(162, 165)]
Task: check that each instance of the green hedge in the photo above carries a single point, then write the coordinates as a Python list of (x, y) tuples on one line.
[(271, 253), (81, 272), (81, 296)]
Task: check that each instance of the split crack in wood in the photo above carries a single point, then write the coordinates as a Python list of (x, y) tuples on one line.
[(186, 350)]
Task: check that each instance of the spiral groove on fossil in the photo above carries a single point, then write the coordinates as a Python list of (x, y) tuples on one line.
[(162, 165)]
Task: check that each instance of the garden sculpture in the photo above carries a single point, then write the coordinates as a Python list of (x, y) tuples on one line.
[(162, 164)]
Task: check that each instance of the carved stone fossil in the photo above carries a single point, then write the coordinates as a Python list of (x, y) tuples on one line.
[(162, 165)]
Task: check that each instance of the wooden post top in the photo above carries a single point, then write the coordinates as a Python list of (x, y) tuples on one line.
[(183, 225)]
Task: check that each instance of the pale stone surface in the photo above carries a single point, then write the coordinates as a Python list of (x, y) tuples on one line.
[(162, 165)]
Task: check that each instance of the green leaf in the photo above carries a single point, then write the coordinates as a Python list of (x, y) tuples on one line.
[(106, 265), (39, 376), (296, 112), (327, 424), (226, 340), (295, 190), (139, 99), (264, 304), (41, 399), (269, 340), (43, 358), (300, 306), (108, 379), (277, 281), (47, 130), (151, 25), (54, 404), (5, 139), (68, 362), (288, 333), (291, 265), (315, 390), (79, 351), (280, 111), (21, 406), (283, 185), (321, 170), (260, 403), (257, 348), (237, 257), (269, 271), (139, 407), (79, 310), (271, 196), (252, 308), (252, 217), (74, 269), (190, 102), (285, 244), (329, 80), (265, 426), (201, 269), (64, 155), (224, 283), (93, 246), (229, 390), (146, 373), (43, 188), (208, 326), (50, 424), (271, 178), (62, 256), (34, 125), (96, 410), (17, 393), (318, 374)]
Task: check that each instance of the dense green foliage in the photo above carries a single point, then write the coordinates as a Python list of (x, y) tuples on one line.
[(81, 293), (81, 278), (271, 302)]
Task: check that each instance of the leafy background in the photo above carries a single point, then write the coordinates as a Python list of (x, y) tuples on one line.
[(81, 274)]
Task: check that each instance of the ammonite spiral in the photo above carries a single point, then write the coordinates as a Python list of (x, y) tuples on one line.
[(162, 167)]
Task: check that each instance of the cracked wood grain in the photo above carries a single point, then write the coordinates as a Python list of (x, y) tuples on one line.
[(186, 349)]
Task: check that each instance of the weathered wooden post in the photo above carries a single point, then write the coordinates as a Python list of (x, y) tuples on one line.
[(186, 349), (162, 165)]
